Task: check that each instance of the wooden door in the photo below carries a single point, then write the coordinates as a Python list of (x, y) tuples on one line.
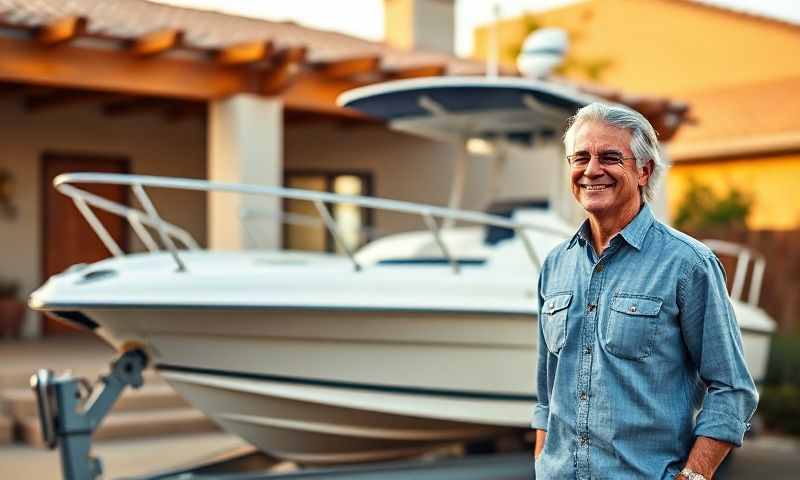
[(66, 237)]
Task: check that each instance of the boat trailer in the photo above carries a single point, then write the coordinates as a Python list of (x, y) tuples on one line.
[(71, 410), (68, 421)]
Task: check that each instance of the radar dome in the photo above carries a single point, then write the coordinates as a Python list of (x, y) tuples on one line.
[(542, 51)]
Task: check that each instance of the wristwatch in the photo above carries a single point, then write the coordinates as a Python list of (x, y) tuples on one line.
[(691, 474)]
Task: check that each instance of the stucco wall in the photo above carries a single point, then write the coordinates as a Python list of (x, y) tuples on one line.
[(153, 145)]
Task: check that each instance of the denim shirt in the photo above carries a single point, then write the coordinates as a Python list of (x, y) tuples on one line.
[(639, 353)]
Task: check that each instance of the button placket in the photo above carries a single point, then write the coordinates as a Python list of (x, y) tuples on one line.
[(585, 368)]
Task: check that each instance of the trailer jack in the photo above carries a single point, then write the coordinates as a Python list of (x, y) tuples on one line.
[(70, 410)]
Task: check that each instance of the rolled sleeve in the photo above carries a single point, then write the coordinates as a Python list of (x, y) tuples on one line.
[(721, 426), (713, 339), (539, 417)]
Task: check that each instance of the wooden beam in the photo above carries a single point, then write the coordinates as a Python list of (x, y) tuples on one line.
[(313, 92), (415, 72), (349, 67), (61, 30), (69, 66), (295, 54), (243, 53), (62, 98), (286, 64), (156, 42)]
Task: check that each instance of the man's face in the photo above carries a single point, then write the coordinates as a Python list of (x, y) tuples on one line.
[(604, 190)]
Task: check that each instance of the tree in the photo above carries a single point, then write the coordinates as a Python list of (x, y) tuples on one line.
[(702, 209)]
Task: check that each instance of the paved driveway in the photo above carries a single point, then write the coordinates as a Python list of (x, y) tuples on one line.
[(764, 458)]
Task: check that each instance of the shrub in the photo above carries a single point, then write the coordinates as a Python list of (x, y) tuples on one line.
[(779, 405), (702, 209)]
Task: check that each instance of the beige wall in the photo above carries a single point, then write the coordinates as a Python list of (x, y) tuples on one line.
[(153, 145)]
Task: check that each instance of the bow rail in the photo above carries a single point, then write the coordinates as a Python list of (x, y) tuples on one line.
[(744, 256), (169, 233)]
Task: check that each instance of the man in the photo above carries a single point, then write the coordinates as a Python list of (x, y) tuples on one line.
[(641, 373)]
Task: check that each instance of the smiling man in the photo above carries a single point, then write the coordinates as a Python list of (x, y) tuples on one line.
[(641, 373)]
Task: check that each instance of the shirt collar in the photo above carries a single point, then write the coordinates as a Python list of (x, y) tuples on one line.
[(583, 234), (633, 233)]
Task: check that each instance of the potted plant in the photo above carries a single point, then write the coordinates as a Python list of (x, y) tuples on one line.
[(12, 310)]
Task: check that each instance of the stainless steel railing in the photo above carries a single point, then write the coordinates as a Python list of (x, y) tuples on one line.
[(169, 233), (743, 256)]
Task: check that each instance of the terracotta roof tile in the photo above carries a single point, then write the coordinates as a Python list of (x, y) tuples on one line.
[(211, 30), (758, 109)]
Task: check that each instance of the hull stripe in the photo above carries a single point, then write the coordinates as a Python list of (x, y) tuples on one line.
[(352, 385)]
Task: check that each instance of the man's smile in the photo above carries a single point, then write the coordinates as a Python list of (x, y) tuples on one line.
[(598, 187)]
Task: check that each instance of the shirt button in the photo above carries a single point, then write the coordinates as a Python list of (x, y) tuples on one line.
[(633, 309), (584, 439), (591, 307), (588, 350), (584, 396)]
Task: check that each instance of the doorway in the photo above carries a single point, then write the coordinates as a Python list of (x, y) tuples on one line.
[(67, 238)]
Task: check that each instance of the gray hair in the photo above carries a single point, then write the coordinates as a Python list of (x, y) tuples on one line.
[(644, 141)]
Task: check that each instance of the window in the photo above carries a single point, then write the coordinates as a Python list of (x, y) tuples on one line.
[(304, 228)]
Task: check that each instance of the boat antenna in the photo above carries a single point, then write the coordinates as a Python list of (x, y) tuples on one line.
[(491, 57)]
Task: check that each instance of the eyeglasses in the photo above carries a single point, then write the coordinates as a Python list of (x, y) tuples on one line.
[(608, 159)]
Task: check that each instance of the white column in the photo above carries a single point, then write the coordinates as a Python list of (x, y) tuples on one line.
[(660, 202), (245, 145)]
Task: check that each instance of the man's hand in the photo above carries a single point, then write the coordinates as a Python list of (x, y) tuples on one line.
[(706, 455), (539, 445)]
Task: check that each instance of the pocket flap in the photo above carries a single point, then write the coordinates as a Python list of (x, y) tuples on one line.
[(557, 302), (636, 304)]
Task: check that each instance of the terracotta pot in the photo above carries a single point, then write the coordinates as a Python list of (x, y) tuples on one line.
[(12, 313)]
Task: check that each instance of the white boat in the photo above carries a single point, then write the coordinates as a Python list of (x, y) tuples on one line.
[(415, 341)]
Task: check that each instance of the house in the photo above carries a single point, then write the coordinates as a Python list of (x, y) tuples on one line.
[(737, 71), (139, 87)]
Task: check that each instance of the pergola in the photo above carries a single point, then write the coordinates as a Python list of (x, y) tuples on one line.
[(131, 54)]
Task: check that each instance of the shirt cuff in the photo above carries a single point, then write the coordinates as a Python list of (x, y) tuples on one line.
[(721, 426), (540, 415)]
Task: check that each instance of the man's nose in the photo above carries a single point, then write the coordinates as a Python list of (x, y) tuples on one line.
[(594, 167)]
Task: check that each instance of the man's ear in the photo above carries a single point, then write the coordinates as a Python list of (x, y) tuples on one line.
[(645, 172)]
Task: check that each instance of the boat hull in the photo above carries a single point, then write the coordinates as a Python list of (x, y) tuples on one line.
[(311, 385)]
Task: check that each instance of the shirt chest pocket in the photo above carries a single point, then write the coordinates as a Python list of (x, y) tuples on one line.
[(631, 327), (554, 320)]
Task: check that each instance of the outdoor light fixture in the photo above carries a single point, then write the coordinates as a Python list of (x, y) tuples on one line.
[(480, 146), (7, 208)]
